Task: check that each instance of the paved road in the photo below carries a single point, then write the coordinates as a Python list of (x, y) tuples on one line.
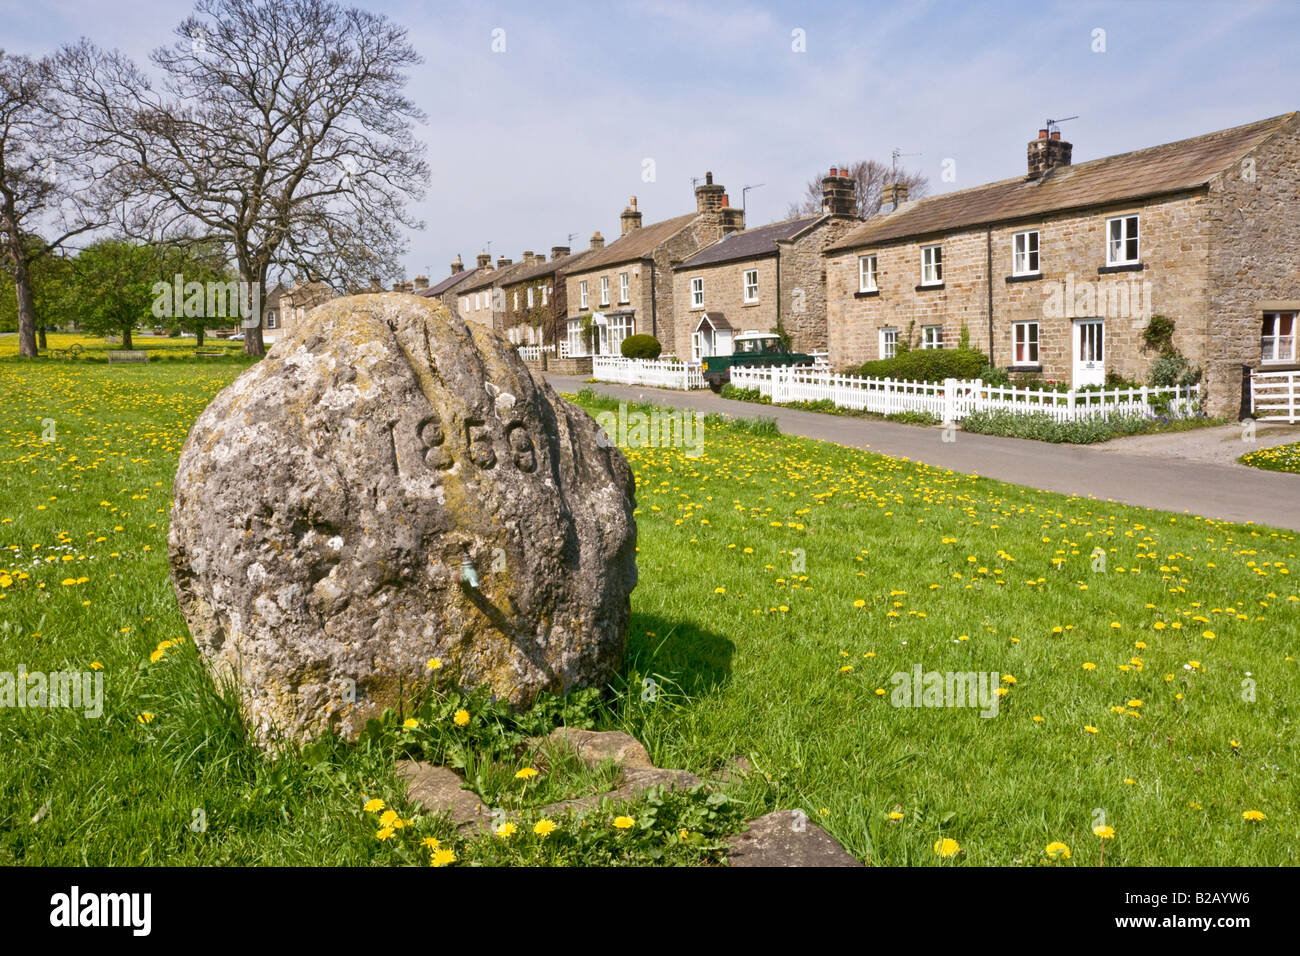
[(1221, 491)]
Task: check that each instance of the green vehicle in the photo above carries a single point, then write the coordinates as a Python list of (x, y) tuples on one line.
[(752, 350)]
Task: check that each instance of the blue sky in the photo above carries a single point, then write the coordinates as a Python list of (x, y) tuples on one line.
[(550, 137)]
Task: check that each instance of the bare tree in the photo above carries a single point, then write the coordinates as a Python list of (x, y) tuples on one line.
[(871, 177), (39, 173), (282, 130)]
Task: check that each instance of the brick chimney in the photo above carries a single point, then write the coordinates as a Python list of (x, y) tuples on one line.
[(1047, 153), (730, 218), (597, 240), (559, 252), (375, 284), (631, 218), (457, 265), (502, 262), (484, 260), (708, 196), (839, 193), (421, 282), (892, 195)]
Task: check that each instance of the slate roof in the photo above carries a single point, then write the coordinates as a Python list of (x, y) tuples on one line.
[(1157, 170), (448, 283), (639, 243), (562, 264), (749, 243), (487, 277)]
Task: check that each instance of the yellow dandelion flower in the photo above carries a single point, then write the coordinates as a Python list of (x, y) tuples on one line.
[(624, 823), (461, 717), (1254, 816), (374, 806), (947, 847), (525, 774), (1057, 851), (544, 828)]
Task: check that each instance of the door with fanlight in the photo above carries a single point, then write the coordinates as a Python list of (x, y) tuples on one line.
[(1089, 352)]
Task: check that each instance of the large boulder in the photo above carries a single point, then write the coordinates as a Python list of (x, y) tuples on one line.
[(335, 504)]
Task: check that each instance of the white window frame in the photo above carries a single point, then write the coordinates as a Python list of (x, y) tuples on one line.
[(270, 319), (582, 295), (516, 300), (888, 342), (604, 290), (867, 274), (1026, 334), (747, 285), (620, 327), (577, 341), (624, 288), (1275, 347), (464, 303), (528, 295), (932, 336), (697, 292), (932, 264), (1121, 244), (1025, 257), (478, 301), (545, 290)]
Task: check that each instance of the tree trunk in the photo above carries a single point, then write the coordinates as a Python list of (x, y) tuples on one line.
[(253, 344), (198, 336), (40, 337), (126, 337), (26, 312)]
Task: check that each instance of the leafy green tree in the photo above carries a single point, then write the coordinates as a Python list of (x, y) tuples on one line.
[(111, 287), (48, 277)]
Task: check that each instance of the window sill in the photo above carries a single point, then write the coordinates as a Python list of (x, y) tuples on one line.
[(927, 286), (750, 305), (1122, 267), (871, 294), (1022, 369), (1025, 277), (1278, 365)]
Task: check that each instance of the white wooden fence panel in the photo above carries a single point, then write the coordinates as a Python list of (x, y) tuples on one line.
[(1275, 396)]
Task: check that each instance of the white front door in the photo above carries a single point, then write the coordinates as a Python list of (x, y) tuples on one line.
[(1089, 352)]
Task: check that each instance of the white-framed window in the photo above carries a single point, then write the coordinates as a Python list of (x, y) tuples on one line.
[(464, 303), (620, 327), (867, 274), (751, 285), (624, 287), (604, 290), (1278, 342), (545, 290), (697, 292), (478, 301), (529, 297), (888, 343), (577, 341), (516, 300), (1121, 240), (1024, 338), (270, 319), (931, 265), (582, 294), (1024, 253), (932, 336)]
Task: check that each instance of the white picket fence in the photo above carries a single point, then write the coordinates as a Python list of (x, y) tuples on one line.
[(656, 372), (533, 353), (1275, 396), (953, 399)]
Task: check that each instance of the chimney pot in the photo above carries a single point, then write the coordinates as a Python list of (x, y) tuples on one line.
[(1047, 153), (726, 200), (1056, 135), (597, 240), (708, 178), (1042, 134), (559, 252)]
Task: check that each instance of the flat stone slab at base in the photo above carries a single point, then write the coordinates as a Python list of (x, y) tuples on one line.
[(787, 838), (593, 747), (438, 790), (633, 783)]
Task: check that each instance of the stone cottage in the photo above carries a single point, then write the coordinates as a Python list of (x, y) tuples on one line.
[(765, 278), (536, 298), (626, 287), (1057, 272), (445, 291)]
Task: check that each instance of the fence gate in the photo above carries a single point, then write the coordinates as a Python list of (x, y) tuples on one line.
[(1275, 396)]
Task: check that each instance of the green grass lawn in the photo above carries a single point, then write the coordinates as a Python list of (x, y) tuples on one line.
[(782, 583), (1277, 458)]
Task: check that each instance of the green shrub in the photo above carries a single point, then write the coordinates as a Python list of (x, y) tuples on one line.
[(1042, 427), (1159, 334), (928, 365), (641, 347), (1173, 369)]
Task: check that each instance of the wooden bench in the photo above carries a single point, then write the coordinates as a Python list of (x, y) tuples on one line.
[(206, 353), (131, 357)]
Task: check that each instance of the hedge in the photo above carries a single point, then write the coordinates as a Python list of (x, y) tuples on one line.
[(928, 365)]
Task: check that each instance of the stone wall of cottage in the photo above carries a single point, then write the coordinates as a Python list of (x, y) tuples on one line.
[(1254, 262), (476, 305), (548, 316), (803, 284), (724, 292), (1174, 235)]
